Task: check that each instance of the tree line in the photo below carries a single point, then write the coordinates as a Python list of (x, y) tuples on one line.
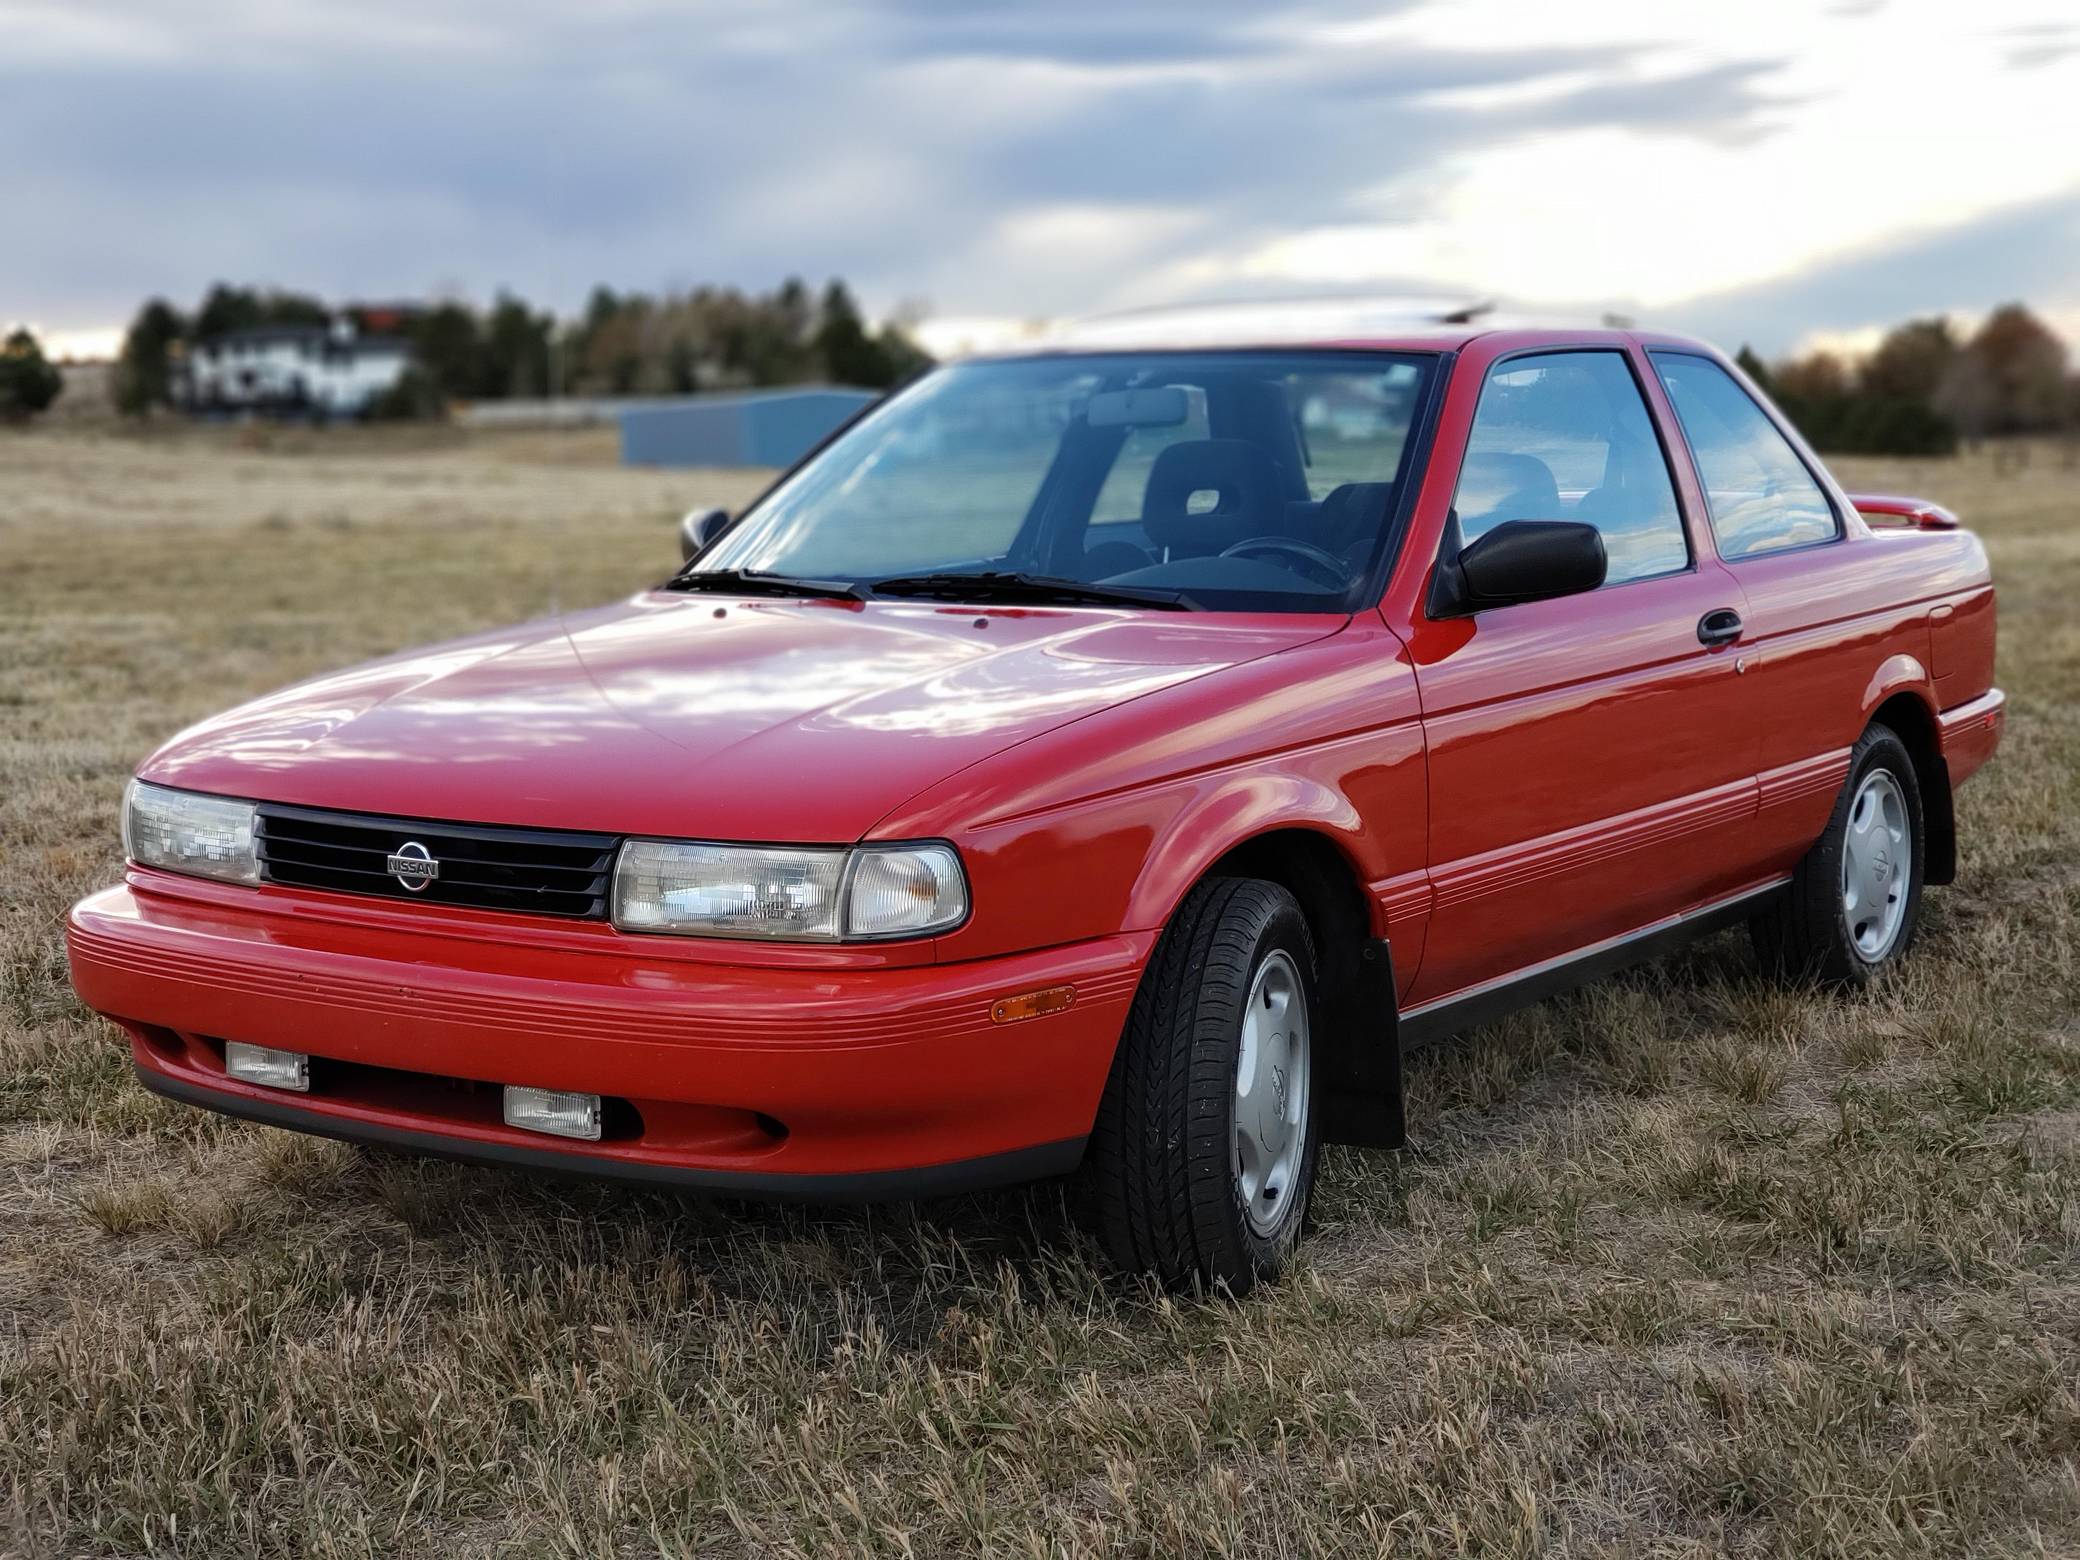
[(704, 338), (1926, 386)]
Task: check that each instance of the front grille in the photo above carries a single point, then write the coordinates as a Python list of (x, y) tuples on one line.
[(487, 868)]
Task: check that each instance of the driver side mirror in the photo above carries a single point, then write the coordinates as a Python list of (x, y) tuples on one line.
[(697, 532), (1519, 561)]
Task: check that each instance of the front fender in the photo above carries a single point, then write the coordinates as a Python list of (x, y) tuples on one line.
[(1222, 818), (1104, 824), (1123, 861)]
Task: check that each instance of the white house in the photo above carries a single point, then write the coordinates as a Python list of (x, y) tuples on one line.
[(287, 368)]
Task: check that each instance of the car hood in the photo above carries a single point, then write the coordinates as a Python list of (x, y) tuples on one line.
[(702, 716)]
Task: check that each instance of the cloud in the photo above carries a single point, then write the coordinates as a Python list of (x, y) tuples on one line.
[(1003, 159), (2043, 43), (1083, 32), (2025, 253)]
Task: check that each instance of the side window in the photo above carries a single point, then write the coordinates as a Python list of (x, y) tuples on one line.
[(1762, 496), (1565, 436)]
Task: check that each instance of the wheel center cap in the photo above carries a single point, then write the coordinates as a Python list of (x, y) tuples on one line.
[(1271, 1124)]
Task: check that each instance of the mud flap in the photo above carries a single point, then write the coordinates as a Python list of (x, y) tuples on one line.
[(1362, 1101), (1938, 822)]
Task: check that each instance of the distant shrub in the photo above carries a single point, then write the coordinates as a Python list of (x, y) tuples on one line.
[(1922, 389), (28, 382), (414, 398), (1855, 424), (1896, 425)]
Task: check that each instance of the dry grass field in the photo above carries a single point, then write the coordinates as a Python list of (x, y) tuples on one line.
[(1680, 1265)]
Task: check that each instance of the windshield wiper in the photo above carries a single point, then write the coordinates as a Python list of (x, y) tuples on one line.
[(750, 582), (1010, 585)]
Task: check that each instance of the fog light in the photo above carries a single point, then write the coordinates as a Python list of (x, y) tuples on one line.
[(275, 1069), (551, 1110)]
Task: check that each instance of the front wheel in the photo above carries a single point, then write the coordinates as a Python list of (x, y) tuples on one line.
[(1852, 904), (1202, 1159)]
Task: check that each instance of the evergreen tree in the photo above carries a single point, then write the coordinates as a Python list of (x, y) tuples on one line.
[(1756, 369), (226, 307), (28, 382), (902, 356), (144, 371), (515, 354), (449, 349), (851, 356)]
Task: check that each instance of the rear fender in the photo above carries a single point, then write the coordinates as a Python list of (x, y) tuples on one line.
[(1897, 674), (1902, 694)]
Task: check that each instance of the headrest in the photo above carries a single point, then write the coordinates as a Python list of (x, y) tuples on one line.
[(1240, 475), (1260, 410), (1522, 484)]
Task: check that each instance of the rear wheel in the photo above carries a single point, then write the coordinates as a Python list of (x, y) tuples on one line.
[(1202, 1159), (1852, 904)]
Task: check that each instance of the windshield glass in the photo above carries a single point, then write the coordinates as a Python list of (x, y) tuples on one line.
[(1240, 480)]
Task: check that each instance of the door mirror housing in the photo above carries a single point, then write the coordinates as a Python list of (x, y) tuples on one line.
[(1519, 561), (697, 532)]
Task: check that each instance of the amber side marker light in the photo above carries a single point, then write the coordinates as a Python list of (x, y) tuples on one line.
[(1032, 1004)]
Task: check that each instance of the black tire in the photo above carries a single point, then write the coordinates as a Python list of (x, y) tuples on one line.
[(1805, 935), (1158, 1187)]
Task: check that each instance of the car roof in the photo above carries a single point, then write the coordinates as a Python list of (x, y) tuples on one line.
[(1417, 325)]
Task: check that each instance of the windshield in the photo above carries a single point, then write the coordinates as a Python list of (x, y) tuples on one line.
[(1234, 481)]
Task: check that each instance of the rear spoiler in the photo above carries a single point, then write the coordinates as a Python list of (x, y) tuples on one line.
[(1881, 509)]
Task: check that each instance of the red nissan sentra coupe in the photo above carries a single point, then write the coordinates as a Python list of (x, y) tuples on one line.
[(1105, 759)]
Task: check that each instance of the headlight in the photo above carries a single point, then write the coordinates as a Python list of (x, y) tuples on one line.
[(792, 895), (205, 836), (728, 890)]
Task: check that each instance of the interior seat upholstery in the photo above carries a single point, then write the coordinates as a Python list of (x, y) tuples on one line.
[(1495, 488), (1241, 476), (1633, 495), (1349, 519)]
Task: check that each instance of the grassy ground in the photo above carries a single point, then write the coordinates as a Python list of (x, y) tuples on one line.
[(1679, 1265)]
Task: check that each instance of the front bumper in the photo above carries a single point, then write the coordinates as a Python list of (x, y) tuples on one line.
[(811, 1081)]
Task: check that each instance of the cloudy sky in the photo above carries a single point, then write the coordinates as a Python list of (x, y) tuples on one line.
[(1772, 170)]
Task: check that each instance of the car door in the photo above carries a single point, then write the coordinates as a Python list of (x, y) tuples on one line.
[(1830, 614), (1589, 770)]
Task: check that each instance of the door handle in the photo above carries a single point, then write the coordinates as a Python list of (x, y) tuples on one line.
[(1720, 626)]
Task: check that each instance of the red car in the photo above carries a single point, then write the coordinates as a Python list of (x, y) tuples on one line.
[(1103, 760)]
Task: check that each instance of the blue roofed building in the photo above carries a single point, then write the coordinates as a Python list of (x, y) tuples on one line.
[(739, 428)]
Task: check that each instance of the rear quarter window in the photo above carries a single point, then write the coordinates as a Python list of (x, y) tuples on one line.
[(1763, 499)]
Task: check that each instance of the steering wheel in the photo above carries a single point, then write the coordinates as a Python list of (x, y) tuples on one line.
[(1323, 565)]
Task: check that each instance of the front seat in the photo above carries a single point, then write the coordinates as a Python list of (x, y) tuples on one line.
[(1242, 481), (1350, 518)]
